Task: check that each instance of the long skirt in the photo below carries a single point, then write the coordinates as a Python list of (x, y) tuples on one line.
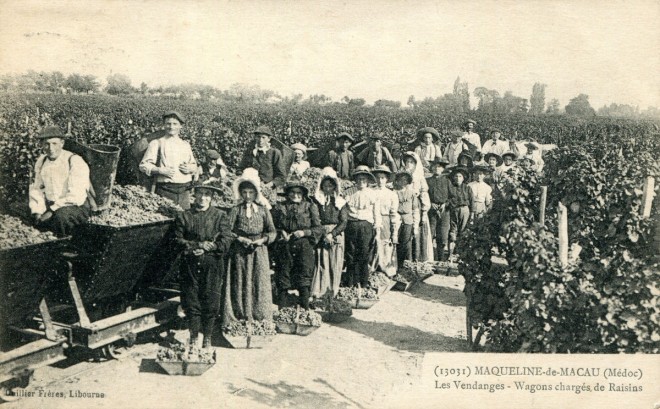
[(424, 246), (329, 266), (248, 293), (385, 257)]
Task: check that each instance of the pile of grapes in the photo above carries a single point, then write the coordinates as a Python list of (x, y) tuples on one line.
[(294, 315), (15, 233), (133, 205), (244, 328), (352, 293), (378, 279), (177, 352), (414, 270)]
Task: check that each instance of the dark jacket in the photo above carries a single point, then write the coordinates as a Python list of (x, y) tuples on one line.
[(368, 158), (289, 217), (438, 192), (270, 165)]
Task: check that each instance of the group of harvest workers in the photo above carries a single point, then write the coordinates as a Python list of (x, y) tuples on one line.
[(410, 207)]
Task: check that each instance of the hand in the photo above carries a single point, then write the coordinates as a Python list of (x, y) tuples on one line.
[(167, 172), (298, 234), (285, 236), (208, 246), (259, 242), (395, 240), (416, 232), (329, 239), (45, 216), (268, 185), (198, 252), (244, 241), (187, 168)]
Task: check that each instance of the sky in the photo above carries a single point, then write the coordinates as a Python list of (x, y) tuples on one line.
[(391, 49)]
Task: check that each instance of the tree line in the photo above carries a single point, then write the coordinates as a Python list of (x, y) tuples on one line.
[(457, 102)]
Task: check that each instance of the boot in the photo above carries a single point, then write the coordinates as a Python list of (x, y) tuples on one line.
[(282, 298), (303, 297), (452, 247), (207, 342), (208, 326)]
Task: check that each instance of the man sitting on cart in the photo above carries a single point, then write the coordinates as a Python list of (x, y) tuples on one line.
[(59, 192)]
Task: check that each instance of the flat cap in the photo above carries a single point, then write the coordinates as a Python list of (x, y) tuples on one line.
[(213, 154), (174, 114), (345, 135), (51, 132), (263, 130)]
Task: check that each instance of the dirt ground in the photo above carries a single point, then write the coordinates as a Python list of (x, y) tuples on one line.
[(361, 363)]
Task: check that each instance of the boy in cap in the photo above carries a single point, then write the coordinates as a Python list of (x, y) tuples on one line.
[(439, 212), (482, 198), (363, 223), (455, 148), (170, 162), (203, 234), (265, 158), (376, 154), (59, 192), (341, 158), (409, 214), (214, 168)]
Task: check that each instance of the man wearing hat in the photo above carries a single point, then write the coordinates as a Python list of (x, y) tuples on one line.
[(203, 235), (470, 137), (363, 223), (299, 230), (376, 154), (265, 158), (495, 144), (455, 148), (428, 149), (170, 162), (390, 221), (439, 213), (341, 158), (299, 165), (58, 195), (214, 169)]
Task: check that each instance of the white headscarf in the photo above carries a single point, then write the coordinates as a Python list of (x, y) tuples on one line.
[(329, 172), (251, 176)]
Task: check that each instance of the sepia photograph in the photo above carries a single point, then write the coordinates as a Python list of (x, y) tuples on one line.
[(328, 204)]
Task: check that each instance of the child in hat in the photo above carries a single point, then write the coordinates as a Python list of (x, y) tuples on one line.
[(455, 147), (439, 212), (203, 235), (341, 158), (408, 213), (363, 223), (385, 257), (459, 201), (299, 165), (248, 292), (214, 169), (299, 230), (482, 198)]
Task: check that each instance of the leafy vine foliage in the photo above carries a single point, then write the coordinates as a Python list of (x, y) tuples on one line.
[(607, 299)]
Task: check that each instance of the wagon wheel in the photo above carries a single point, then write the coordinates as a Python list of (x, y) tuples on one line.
[(120, 349), (7, 389)]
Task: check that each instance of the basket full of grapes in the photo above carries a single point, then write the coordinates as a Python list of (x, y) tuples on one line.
[(179, 359), (295, 320), (249, 334)]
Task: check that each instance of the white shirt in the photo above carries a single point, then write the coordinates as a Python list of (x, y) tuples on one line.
[(389, 206), (363, 205), (174, 151), (481, 192), (452, 152), (64, 181), (428, 153), (498, 147), (299, 168), (473, 138)]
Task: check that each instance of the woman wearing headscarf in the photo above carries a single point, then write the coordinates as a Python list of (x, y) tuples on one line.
[(422, 232), (248, 292), (333, 214)]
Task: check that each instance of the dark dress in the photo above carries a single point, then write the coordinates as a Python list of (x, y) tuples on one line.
[(248, 293), (294, 259), (201, 276), (330, 258)]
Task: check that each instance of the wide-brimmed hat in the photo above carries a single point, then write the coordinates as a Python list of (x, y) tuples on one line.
[(511, 154), (262, 130), (213, 154), (467, 156), (460, 169), (174, 114), (423, 131), (456, 132), (363, 170), (439, 161), (213, 189), (381, 169), (482, 169), (345, 135), (470, 121), (494, 130), (51, 132), (409, 154), (300, 147), (378, 136), (493, 155), (406, 174), (295, 183)]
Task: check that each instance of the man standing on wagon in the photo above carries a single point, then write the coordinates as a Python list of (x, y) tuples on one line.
[(170, 162), (266, 159), (59, 192)]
